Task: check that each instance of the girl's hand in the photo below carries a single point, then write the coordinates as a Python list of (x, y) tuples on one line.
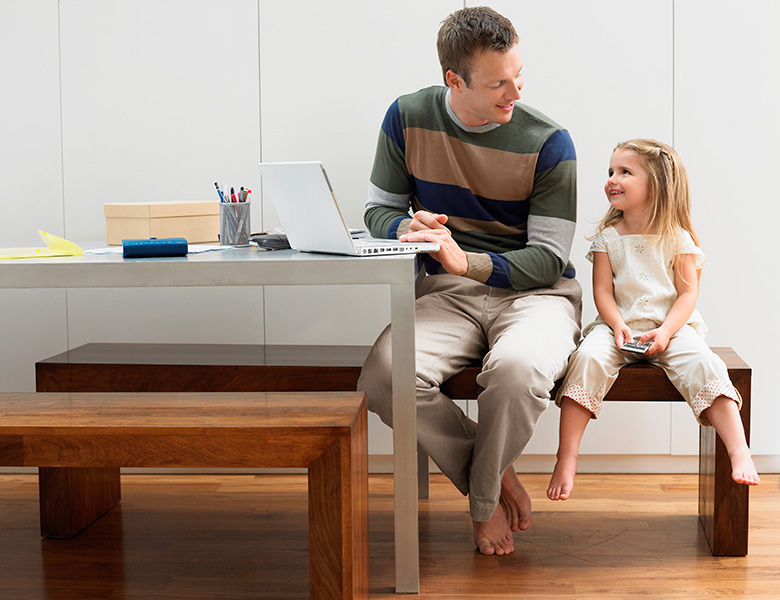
[(622, 335), (660, 338)]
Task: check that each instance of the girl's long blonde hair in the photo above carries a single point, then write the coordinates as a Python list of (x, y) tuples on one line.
[(669, 211)]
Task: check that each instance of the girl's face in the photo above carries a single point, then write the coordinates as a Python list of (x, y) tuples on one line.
[(628, 186)]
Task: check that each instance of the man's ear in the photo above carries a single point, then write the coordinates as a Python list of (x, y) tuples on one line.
[(454, 81)]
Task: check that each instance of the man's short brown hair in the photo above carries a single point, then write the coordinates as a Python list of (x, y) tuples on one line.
[(470, 30)]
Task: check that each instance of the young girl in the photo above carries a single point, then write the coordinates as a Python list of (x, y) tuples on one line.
[(646, 263)]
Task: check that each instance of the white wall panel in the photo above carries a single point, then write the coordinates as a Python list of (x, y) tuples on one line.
[(32, 327), (32, 322), (30, 155), (622, 428), (726, 128), (160, 99), (213, 315), (329, 72), (685, 430)]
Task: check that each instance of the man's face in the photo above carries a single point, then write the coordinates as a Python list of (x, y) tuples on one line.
[(496, 81)]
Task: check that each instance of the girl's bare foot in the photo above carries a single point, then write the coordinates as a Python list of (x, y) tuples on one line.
[(724, 416), (743, 470), (515, 501), (494, 536), (562, 480)]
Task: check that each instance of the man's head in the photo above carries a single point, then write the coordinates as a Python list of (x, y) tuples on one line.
[(470, 31), (482, 65)]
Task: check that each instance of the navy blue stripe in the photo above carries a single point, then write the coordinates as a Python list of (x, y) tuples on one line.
[(455, 201), (393, 127), (558, 148), (500, 275), (392, 233), (570, 273)]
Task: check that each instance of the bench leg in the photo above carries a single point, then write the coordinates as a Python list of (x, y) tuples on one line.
[(423, 490), (71, 498), (338, 517), (723, 504)]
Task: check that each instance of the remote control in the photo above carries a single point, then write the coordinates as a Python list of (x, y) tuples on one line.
[(636, 346)]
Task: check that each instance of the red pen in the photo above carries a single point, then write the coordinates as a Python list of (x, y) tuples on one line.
[(233, 194)]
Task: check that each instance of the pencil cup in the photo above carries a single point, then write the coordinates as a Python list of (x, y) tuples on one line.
[(234, 223)]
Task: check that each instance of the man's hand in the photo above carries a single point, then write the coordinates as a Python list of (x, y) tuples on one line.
[(423, 220), (429, 227)]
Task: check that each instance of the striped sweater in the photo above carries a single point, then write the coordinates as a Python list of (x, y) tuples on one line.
[(509, 190)]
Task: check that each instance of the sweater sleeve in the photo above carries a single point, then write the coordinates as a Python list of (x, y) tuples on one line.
[(390, 191)]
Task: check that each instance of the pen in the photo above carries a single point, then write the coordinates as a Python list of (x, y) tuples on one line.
[(233, 194), (246, 198), (221, 197)]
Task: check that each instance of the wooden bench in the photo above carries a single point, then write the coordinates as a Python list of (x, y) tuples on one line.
[(79, 442), (723, 504)]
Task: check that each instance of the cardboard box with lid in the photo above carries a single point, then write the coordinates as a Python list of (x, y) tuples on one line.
[(198, 222)]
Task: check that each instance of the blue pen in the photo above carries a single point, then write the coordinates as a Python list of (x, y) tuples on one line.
[(219, 191)]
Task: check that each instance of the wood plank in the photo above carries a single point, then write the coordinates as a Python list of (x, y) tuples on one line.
[(173, 430), (245, 536), (175, 412), (338, 517), (82, 434), (73, 498), (201, 368), (239, 367), (723, 503)]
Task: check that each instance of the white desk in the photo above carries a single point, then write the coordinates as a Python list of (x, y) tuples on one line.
[(250, 267)]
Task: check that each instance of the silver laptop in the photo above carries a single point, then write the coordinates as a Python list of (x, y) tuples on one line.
[(311, 218)]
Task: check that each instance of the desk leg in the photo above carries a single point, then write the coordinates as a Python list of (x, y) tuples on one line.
[(72, 498), (407, 563), (723, 504)]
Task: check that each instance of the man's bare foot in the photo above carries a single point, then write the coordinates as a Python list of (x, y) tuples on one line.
[(562, 480), (494, 536), (515, 501), (743, 470)]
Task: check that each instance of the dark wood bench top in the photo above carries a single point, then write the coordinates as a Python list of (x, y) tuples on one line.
[(250, 367)]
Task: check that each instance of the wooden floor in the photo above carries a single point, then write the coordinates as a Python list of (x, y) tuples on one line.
[(245, 536)]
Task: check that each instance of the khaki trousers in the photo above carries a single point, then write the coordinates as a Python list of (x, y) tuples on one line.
[(525, 338), (696, 371)]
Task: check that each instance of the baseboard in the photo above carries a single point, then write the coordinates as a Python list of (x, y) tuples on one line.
[(533, 463)]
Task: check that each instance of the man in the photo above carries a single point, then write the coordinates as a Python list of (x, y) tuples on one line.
[(494, 183)]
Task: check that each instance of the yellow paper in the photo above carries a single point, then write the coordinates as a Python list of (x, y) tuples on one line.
[(55, 246)]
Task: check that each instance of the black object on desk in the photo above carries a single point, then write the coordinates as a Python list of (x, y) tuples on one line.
[(270, 241)]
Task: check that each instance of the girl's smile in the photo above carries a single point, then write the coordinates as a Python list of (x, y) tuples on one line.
[(628, 186)]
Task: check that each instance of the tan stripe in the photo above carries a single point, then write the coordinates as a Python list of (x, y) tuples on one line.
[(496, 174), (480, 266), (494, 227)]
